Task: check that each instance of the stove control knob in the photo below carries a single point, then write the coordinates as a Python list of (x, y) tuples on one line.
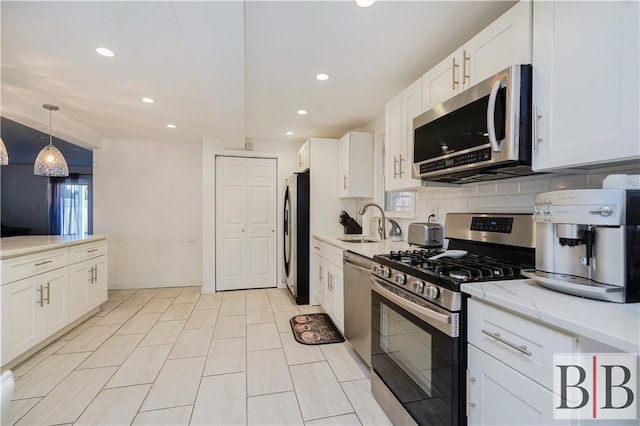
[(400, 279), (547, 211), (385, 272), (375, 269), (432, 292), (418, 287)]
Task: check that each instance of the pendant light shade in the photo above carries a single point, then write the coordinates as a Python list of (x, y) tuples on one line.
[(50, 161), (4, 154)]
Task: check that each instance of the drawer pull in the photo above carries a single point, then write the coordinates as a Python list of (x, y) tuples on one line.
[(92, 250), (501, 339), (44, 262)]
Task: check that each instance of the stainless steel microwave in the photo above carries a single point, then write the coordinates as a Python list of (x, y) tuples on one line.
[(483, 133)]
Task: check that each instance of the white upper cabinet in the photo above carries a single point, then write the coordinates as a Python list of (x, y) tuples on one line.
[(585, 83), (442, 82), (302, 161), (399, 114), (355, 165), (505, 42)]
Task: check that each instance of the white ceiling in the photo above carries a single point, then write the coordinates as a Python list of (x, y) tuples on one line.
[(230, 70)]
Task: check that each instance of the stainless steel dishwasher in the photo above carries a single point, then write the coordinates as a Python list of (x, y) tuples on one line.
[(357, 303)]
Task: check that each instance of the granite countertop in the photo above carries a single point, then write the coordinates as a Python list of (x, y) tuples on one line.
[(364, 249), (613, 324), (29, 244)]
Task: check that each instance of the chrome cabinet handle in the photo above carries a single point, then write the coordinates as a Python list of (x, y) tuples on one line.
[(90, 276), (465, 58), (92, 250), (501, 339), (395, 167), (536, 119), (41, 301), (320, 273), (48, 293), (344, 182), (454, 82), (44, 262), (400, 164)]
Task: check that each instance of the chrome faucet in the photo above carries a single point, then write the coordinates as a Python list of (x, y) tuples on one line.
[(381, 226)]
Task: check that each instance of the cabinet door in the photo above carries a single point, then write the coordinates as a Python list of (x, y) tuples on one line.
[(319, 278), (392, 142), (79, 277), (54, 313), (499, 395), (411, 108), (97, 294), (442, 82), (329, 295), (20, 328), (585, 83), (338, 297), (344, 155), (505, 42), (303, 157)]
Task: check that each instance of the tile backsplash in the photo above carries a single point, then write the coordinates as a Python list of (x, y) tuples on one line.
[(502, 196)]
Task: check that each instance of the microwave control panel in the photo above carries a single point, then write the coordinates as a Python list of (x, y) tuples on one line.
[(457, 160)]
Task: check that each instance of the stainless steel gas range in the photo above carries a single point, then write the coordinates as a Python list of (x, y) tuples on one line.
[(418, 331)]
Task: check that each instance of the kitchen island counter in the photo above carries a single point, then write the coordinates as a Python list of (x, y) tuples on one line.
[(364, 249), (29, 244), (613, 324)]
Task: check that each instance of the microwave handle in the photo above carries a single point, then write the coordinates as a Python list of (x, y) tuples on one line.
[(491, 110)]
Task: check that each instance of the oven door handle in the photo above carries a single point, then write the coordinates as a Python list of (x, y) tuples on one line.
[(424, 313), (496, 145)]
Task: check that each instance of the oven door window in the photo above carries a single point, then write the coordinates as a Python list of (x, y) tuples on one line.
[(417, 362)]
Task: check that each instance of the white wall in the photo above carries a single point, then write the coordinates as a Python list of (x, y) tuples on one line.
[(502, 196), (286, 155), (148, 198)]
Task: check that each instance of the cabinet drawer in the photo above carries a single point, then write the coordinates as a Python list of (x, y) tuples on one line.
[(331, 253), (26, 266), (525, 345), (87, 251)]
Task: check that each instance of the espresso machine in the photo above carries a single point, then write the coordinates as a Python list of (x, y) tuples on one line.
[(588, 243)]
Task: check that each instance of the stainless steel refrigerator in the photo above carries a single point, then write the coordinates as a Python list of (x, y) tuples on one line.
[(296, 236)]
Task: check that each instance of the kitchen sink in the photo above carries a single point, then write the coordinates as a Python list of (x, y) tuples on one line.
[(358, 240)]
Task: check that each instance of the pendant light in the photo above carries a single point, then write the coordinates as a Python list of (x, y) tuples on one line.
[(4, 154), (50, 161)]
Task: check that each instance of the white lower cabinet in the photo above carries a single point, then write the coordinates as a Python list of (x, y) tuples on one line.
[(510, 367), (334, 296), (33, 309), (327, 275), (45, 292), (88, 286), (499, 395)]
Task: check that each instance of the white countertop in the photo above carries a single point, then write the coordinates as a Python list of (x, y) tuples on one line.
[(28, 244), (364, 249), (613, 324)]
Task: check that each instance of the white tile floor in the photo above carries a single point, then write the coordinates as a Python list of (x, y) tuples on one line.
[(174, 356)]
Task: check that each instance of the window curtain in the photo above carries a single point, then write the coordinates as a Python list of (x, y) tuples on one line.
[(65, 207)]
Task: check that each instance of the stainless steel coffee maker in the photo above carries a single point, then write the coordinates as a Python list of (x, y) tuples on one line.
[(588, 243)]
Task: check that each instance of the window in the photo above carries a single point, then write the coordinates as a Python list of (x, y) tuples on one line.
[(69, 206), (400, 202)]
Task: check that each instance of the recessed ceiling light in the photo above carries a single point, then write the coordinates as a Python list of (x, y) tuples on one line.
[(171, 126), (365, 3), (289, 133), (322, 76), (105, 52), (148, 100), (302, 112)]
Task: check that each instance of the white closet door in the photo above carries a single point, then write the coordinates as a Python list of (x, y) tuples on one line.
[(245, 223)]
